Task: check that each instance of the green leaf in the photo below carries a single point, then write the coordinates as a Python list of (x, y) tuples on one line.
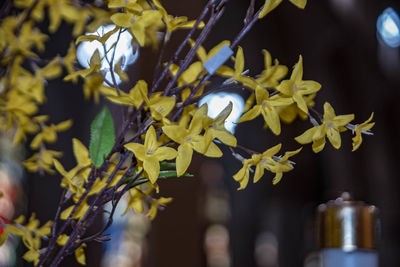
[(102, 137)]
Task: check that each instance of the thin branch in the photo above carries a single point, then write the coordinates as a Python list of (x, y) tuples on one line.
[(203, 35), (182, 45)]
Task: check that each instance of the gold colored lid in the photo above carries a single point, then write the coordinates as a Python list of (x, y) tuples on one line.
[(347, 224)]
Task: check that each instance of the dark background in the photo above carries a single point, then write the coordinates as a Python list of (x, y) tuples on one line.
[(358, 75)]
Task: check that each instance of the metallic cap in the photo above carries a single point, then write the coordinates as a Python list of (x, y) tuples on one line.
[(347, 224)]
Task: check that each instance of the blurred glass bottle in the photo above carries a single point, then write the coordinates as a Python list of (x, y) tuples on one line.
[(12, 200), (347, 232)]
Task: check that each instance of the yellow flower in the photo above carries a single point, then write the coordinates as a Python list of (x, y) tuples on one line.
[(190, 139), (33, 85), (160, 106), (80, 254), (243, 175), (191, 76), (157, 204), (42, 161), (118, 70), (296, 88), (135, 200), (64, 10), (359, 129), (19, 104), (93, 85), (94, 66), (274, 164), (217, 130), (174, 23), (31, 235), (267, 107), (188, 76), (270, 76), (28, 125), (151, 154), (237, 73), (289, 113), (69, 61), (133, 98), (331, 127), (75, 179), (272, 4), (138, 24), (269, 5), (49, 133)]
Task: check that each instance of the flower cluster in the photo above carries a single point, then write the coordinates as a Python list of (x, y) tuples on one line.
[(163, 125)]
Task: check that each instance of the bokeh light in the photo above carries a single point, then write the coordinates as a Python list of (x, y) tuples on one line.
[(388, 27), (124, 49)]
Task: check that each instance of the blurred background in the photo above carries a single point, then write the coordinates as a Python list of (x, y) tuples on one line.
[(351, 47)]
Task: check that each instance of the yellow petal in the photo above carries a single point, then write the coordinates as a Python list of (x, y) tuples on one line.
[(152, 168), (122, 99), (213, 151), (268, 7), (277, 178), (175, 132), (165, 153), (62, 239), (191, 73), (271, 117), (272, 151), (242, 176), (297, 74), (258, 173), (261, 95), (342, 120), (81, 153), (329, 112), (80, 255), (122, 19), (267, 58), (308, 87), (318, 145), (138, 149), (307, 136), (301, 103), (183, 159), (251, 114), (299, 3), (239, 62), (334, 137), (150, 139), (357, 140), (138, 31), (286, 87), (31, 256), (224, 136)]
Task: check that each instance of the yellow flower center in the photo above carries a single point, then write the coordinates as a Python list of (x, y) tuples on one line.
[(188, 139), (265, 105), (264, 162), (330, 125), (150, 151), (160, 110)]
